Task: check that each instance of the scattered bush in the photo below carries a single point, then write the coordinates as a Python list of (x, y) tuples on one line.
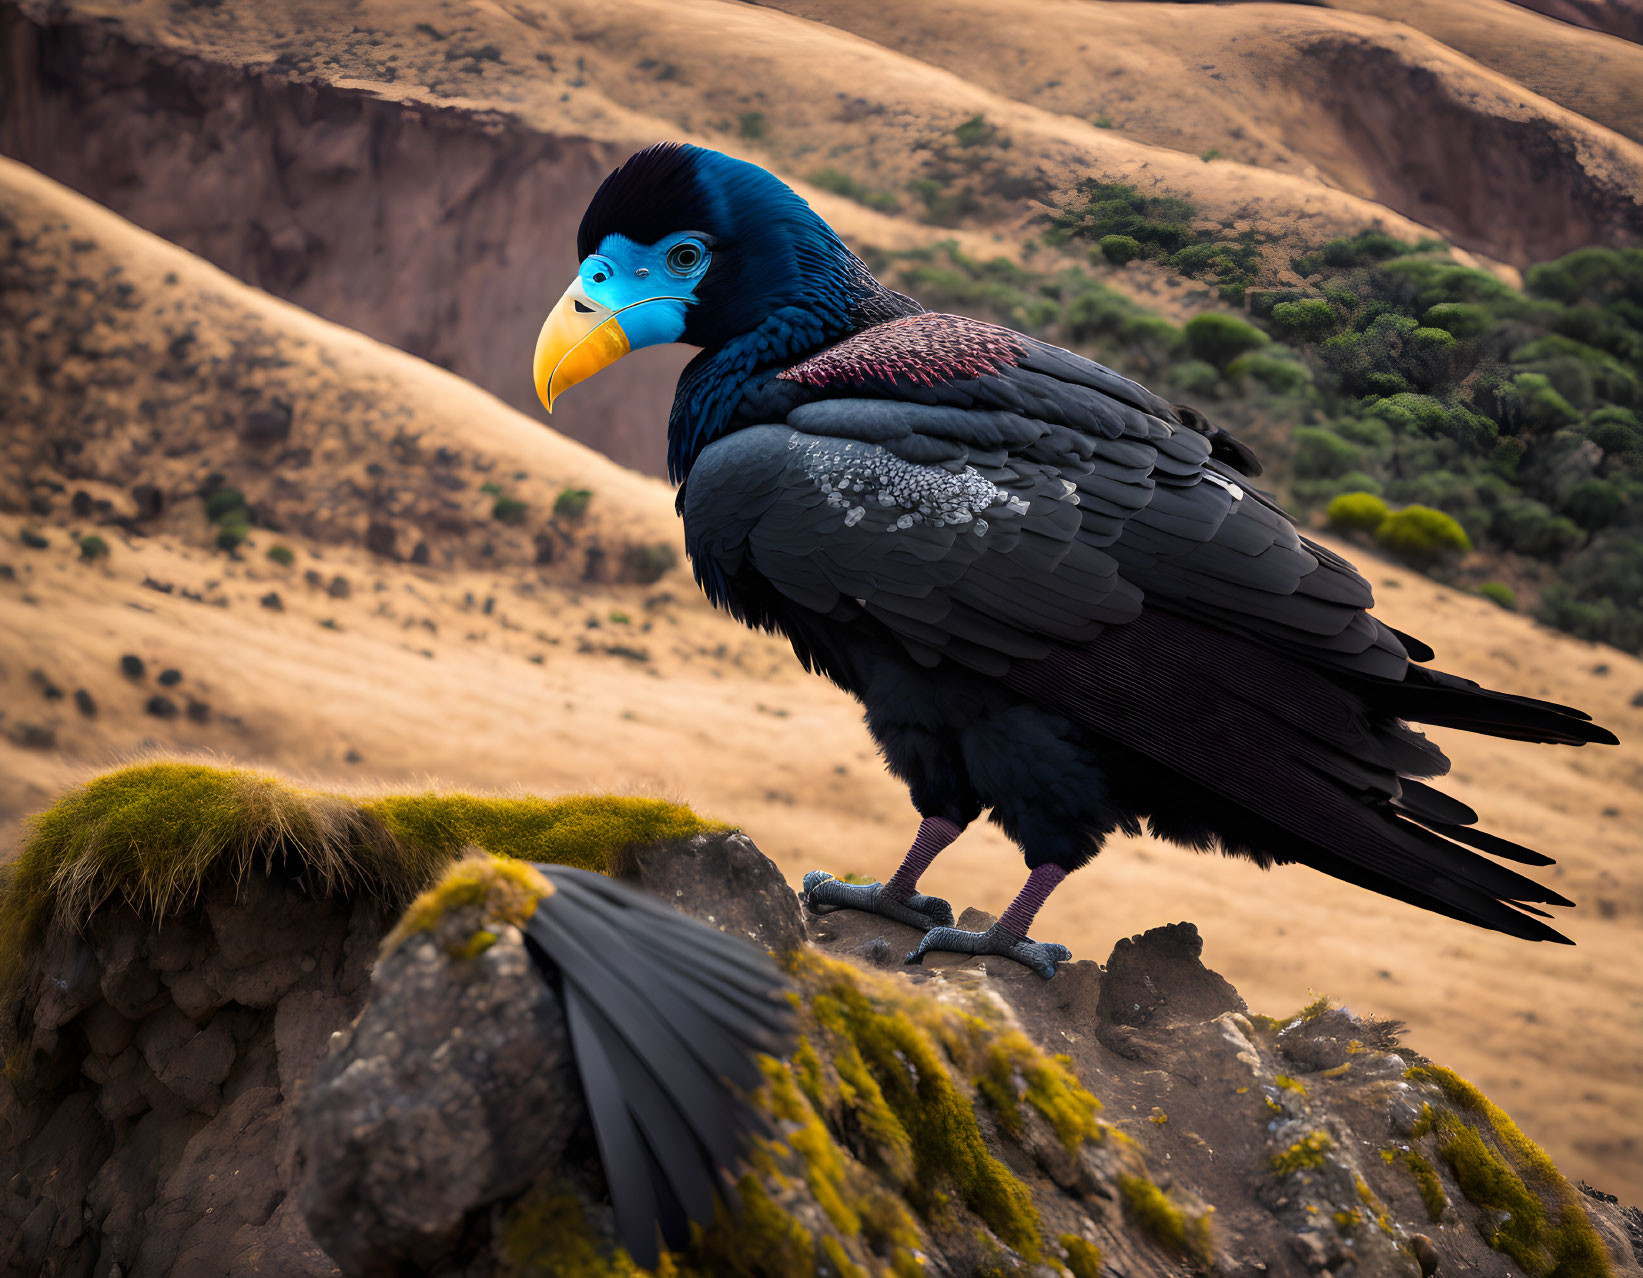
[(649, 562), (1195, 377), (1282, 376), (93, 547), (282, 555), (847, 186), (752, 125), (1218, 339), (1120, 248), (509, 510), (1321, 454), (223, 502), (1306, 320), (572, 503), (1422, 535), (1500, 593), (975, 132), (1357, 512), (1464, 320)]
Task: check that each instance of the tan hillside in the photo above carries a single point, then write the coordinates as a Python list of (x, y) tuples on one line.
[(494, 670)]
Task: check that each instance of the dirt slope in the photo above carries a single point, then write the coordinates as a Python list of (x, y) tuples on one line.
[(493, 670)]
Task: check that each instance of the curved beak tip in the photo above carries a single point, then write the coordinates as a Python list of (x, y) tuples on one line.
[(578, 338)]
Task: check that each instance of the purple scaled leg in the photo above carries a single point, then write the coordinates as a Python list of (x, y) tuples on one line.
[(897, 899)]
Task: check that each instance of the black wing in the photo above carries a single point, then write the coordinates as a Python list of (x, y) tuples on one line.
[(667, 1019)]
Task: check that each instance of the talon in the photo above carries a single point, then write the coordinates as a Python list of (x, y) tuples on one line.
[(823, 893), (1041, 956)]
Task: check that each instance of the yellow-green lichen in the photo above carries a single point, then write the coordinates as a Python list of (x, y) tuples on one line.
[(1164, 1221), (1083, 1257), (1427, 1183), (1010, 1069), (494, 889), (1305, 1154), (842, 1265), (1285, 1083), (545, 1231), (1498, 1168), (907, 1096)]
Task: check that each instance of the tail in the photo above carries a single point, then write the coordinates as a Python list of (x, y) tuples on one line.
[(1448, 701), (667, 1019)]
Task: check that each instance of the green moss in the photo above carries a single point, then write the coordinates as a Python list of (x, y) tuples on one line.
[(906, 1094), (843, 1266), (545, 1231), (1546, 1230), (1164, 1221), (1305, 1154), (499, 889), (1083, 1256), (1011, 1069), (586, 831), (1288, 1084), (1427, 1183), (150, 835)]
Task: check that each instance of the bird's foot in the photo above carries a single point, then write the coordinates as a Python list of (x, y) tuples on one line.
[(1041, 956), (823, 894)]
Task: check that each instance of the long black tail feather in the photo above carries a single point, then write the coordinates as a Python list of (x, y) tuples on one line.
[(667, 1020)]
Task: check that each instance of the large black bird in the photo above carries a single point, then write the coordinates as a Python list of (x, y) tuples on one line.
[(1057, 597)]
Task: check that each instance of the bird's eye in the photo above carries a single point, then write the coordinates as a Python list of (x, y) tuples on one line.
[(684, 258)]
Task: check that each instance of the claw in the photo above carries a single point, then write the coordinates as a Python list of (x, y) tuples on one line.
[(823, 894), (1041, 956)]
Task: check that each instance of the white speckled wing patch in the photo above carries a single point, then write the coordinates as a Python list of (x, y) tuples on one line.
[(856, 476)]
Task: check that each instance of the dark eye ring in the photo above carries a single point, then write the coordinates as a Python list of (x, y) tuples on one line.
[(684, 258)]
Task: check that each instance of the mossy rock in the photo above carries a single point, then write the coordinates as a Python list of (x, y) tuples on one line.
[(151, 835)]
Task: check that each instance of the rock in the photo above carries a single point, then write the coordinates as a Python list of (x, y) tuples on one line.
[(32, 539), (84, 703), (133, 666), (161, 707), (198, 711), (339, 587), (724, 880), (1426, 1254), (149, 500), (33, 736), (268, 425), (456, 1087), (169, 677), (49, 690), (1158, 978), (273, 601), (381, 539)]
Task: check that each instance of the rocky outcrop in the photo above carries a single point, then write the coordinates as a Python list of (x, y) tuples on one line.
[(211, 1096)]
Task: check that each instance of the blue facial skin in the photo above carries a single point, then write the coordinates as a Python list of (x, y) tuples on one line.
[(648, 286)]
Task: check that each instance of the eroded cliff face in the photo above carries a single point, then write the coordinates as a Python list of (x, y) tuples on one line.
[(447, 233)]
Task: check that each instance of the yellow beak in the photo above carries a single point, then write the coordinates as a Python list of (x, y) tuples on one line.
[(578, 339)]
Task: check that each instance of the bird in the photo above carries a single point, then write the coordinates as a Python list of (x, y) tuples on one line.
[(1060, 600)]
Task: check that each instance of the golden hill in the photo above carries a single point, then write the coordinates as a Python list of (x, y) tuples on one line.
[(493, 670)]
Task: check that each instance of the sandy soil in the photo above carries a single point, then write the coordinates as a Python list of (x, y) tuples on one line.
[(488, 669)]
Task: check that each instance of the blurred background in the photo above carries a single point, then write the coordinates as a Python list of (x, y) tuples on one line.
[(274, 484)]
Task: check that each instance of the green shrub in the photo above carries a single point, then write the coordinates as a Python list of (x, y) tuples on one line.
[(752, 125), (1422, 535), (1616, 431), (1530, 528), (1322, 454), (1464, 320), (847, 186), (93, 547), (490, 488), (1366, 432), (224, 502), (1195, 377), (231, 534), (1597, 503), (1307, 320), (1218, 339), (282, 555), (1357, 481), (1500, 593), (1538, 406), (1120, 248), (1357, 512), (648, 562), (509, 510), (975, 132), (1283, 376), (572, 503)]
